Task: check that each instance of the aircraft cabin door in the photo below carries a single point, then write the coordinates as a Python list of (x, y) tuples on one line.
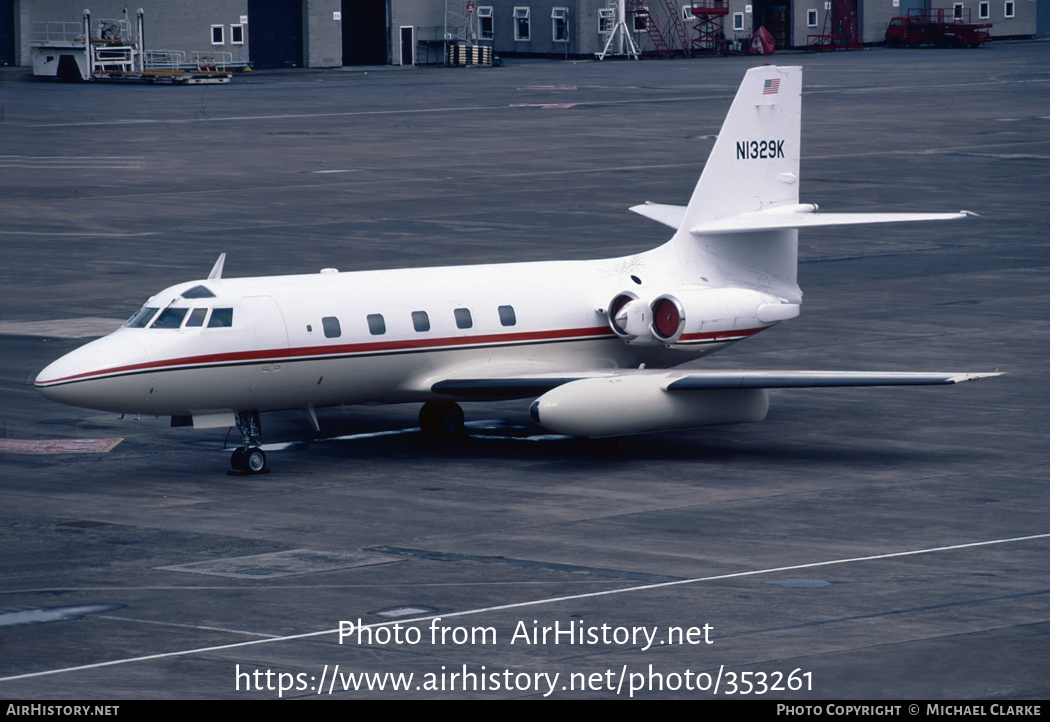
[(265, 322)]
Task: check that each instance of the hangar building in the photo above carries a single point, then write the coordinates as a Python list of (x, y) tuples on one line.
[(331, 33)]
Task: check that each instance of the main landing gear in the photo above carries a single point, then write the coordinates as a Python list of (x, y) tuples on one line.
[(249, 457), (441, 419)]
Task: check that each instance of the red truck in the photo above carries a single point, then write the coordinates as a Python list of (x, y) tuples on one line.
[(941, 27)]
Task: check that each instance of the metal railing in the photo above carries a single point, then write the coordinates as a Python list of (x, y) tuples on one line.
[(47, 31)]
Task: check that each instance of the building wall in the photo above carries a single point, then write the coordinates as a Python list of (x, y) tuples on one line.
[(322, 34), (427, 20), (185, 26), (804, 18)]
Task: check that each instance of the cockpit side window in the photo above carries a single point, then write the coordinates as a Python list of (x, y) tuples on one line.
[(221, 318), (142, 318), (196, 317), (170, 318)]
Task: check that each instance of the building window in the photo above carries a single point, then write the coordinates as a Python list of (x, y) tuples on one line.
[(560, 25), (485, 22), (687, 13), (606, 20), (217, 35), (376, 324), (983, 10), (521, 24), (420, 321), (506, 316), (811, 18), (738, 21), (330, 324), (463, 319), (957, 10), (641, 20), (236, 35), (1008, 9)]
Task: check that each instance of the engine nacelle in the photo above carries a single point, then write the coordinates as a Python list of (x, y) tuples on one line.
[(693, 314), (629, 318), (637, 404)]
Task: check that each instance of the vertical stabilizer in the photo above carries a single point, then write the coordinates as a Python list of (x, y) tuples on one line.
[(754, 166), (754, 163)]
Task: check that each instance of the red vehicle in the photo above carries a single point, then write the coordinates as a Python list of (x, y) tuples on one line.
[(944, 28)]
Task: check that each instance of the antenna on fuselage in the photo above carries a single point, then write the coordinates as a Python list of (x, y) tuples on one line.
[(216, 270)]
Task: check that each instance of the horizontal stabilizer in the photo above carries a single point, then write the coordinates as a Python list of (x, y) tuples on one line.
[(671, 216), (776, 219)]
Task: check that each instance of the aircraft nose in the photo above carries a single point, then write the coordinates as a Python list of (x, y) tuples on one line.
[(80, 377)]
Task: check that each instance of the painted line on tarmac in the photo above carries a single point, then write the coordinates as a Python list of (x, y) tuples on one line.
[(532, 603)]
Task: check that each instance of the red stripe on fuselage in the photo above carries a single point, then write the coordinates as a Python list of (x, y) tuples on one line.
[(405, 345), (721, 335), (312, 352)]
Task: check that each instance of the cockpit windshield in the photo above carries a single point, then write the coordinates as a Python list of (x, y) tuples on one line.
[(170, 317), (173, 317), (142, 318)]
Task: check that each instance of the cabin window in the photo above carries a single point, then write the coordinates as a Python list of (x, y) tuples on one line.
[(196, 317), (376, 324), (506, 315), (142, 317), (420, 321), (170, 318), (221, 318), (330, 324), (463, 319), (198, 292)]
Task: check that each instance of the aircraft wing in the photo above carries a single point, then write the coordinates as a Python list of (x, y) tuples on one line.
[(532, 385)]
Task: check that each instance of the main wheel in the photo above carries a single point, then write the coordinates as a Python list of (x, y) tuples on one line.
[(441, 418), (237, 461), (255, 460)]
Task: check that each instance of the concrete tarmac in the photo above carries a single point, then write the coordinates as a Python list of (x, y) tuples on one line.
[(884, 544)]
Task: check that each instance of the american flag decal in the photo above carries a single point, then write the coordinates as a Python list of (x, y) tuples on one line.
[(770, 87)]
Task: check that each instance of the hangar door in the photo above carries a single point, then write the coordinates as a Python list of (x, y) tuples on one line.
[(364, 32), (7, 32), (775, 16), (275, 33)]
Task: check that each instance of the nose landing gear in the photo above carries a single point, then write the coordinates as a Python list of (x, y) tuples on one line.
[(249, 458)]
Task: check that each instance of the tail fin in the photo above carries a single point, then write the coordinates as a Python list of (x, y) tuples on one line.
[(752, 168), (754, 163), (740, 228)]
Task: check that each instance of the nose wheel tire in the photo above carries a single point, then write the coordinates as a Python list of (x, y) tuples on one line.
[(441, 419)]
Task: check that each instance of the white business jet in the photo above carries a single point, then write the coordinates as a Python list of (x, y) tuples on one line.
[(594, 342)]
